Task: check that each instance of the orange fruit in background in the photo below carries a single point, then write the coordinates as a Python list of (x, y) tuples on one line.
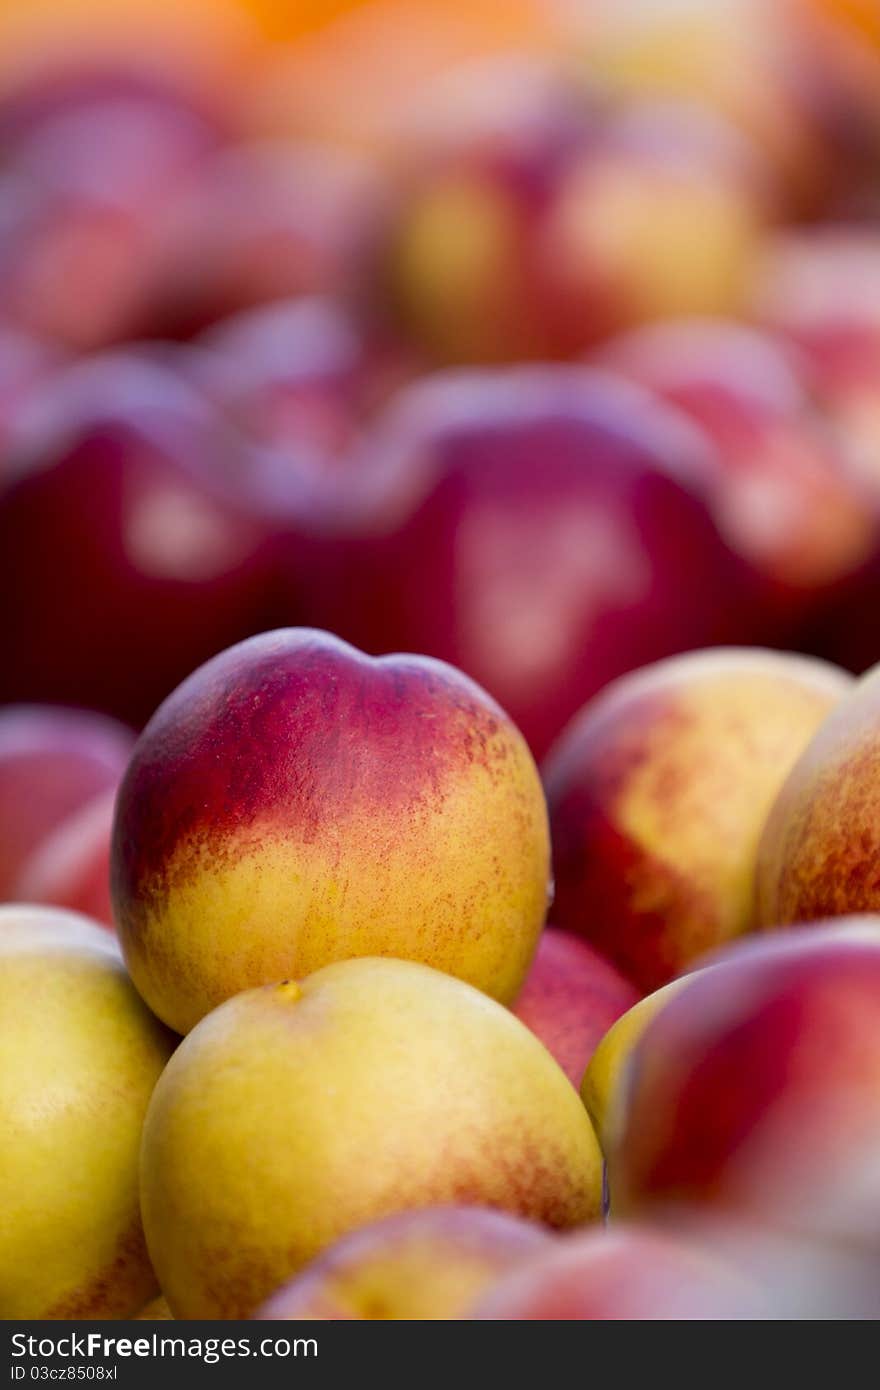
[(352, 79), (198, 39), (861, 16), (282, 20), (517, 19), (842, 41), (320, 67)]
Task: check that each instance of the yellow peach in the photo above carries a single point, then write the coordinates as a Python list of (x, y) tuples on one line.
[(297, 1112), (426, 1265), (79, 1056), (156, 1310)]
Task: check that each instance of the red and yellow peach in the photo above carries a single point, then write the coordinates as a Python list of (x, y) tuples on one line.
[(622, 1274), (785, 498), (428, 1264), (818, 851), (295, 803), (658, 793), (754, 1090), (535, 222)]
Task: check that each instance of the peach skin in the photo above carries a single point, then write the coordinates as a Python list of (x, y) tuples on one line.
[(71, 866), (79, 1056), (296, 802), (297, 1112), (658, 792), (819, 851), (570, 999), (52, 762), (156, 1310), (606, 1066), (421, 1265), (785, 498), (754, 1092), (624, 1274)]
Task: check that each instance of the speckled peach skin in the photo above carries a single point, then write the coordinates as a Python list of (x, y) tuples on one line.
[(421, 1265), (819, 854), (297, 1112), (658, 792), (79, 1056), (295, 802)]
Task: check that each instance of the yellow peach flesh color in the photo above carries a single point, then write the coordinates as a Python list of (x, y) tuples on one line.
[(608, 1062), (287, 1120), (698, 799), (79, 1056)]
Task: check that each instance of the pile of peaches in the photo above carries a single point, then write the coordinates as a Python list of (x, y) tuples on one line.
[(440, 677)]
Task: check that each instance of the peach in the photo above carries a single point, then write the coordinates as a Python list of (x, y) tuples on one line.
[(663, 216), (754, 1091), (296, 802), (466, 270), (658, 793), (156, 1310), (71, 867), (302, 375), (818, 287), (607, 1065), (428, 1264), (735, 57), (53, 762), (93, 156), (175, 552), (627, 1274), (793, 1276), (24, 364), (784, 497), (535, 222), (818, 851), (263, 220), (570, 999), (79, 1056), (296, 1112)]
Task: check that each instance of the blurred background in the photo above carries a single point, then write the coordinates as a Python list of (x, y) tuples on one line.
[(542, 336)]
